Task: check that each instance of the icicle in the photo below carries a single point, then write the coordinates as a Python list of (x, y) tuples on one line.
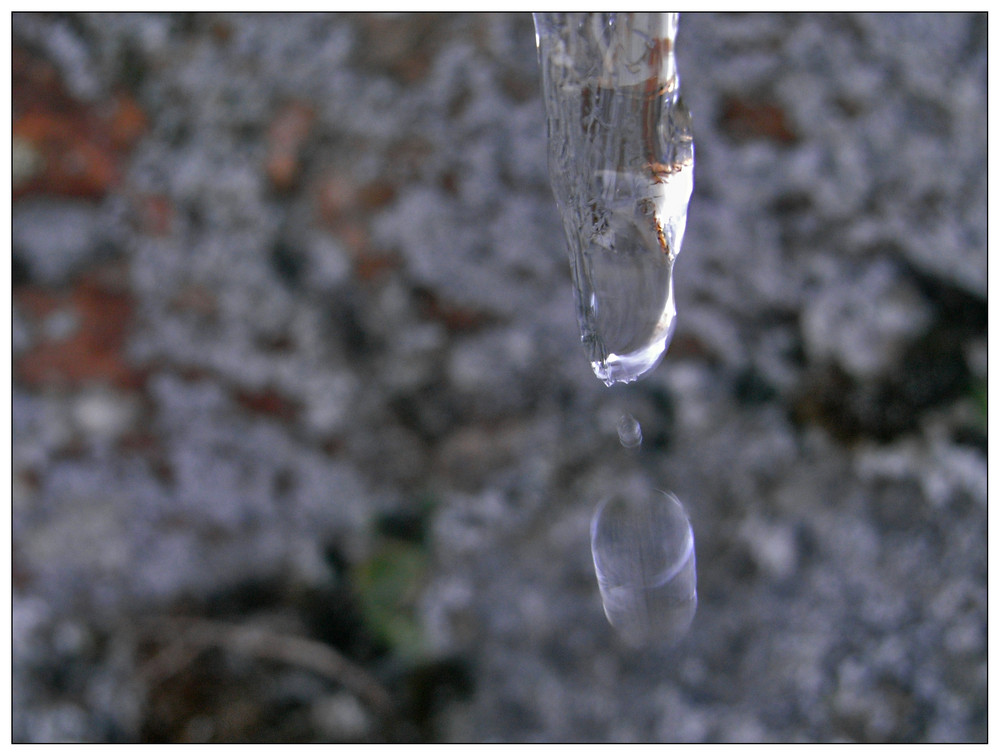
[(621, 159)]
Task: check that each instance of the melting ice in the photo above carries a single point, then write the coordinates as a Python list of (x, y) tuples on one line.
[(621, 159)]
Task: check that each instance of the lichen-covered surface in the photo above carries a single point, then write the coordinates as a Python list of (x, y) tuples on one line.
[(305, 447)]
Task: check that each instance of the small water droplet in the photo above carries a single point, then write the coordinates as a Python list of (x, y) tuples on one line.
[(629, 431), (643, 549)]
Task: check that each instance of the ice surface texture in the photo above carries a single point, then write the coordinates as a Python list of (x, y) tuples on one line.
[(621, 159)]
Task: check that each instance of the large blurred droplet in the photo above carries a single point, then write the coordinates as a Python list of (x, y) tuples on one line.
[(643, 549)]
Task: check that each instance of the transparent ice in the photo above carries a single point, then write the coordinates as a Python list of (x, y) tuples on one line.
[(643, 549), (621, 161)]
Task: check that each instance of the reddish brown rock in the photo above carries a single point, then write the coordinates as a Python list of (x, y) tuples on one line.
[(126, 124), (456, 318), (155, 214), (67, 147), (71, 162), (346, 210), (269, 403), (371, 265), (286, 139), (93, 352), (744, 120)]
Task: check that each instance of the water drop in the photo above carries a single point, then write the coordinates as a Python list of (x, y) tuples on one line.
[(621, 160), (643, 549), (629, 431)]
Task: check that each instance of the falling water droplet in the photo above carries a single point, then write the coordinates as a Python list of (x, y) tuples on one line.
[(629, 431), (621, 160), (643, 549)]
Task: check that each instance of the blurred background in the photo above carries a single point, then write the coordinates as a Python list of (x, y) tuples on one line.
[(305, 445)]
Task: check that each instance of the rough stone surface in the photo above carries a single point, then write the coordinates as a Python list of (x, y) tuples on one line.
[(295, 349)]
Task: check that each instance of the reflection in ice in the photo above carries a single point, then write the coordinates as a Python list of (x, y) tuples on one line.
[(643, 549)]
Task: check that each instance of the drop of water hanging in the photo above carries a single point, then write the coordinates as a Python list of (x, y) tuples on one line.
[(629, 431), (643, 549)]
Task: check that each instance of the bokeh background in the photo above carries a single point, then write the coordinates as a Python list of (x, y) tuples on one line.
[(305, 446)]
